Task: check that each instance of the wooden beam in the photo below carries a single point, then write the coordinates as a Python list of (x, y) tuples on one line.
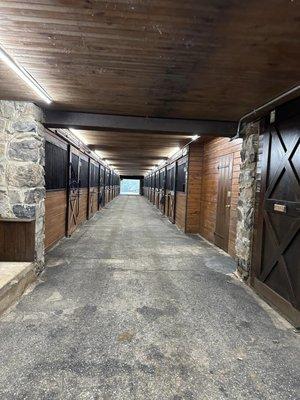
[(135, 158), (89, 121)]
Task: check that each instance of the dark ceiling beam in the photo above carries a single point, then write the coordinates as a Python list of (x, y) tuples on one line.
[(154, 158), (118, 165), (89, 121)]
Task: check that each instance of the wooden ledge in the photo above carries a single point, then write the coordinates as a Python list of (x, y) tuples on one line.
[(14, 279), (17, 219)]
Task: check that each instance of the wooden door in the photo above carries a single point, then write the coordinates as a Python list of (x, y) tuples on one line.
[(171, 192), (223, 202), (56, 174), (93, 188), (276, 269), (73, 196), (102, 187)]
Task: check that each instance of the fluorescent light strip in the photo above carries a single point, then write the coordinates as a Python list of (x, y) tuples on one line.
[(25, 75)]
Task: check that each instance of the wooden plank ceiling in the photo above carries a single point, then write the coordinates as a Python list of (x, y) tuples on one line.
[(132, 153), (198, 59), (185, 59)]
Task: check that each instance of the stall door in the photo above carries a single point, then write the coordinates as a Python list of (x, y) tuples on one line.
[(56, 172), (73, 193), (223, 202), (277, 271), (93, 189), (162, 185), (102, 189), (170, 193)]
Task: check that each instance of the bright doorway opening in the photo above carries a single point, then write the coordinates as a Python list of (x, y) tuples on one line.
[(130, 186)]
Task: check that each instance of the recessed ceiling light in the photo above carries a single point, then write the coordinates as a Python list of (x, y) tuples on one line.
[(25, 75)]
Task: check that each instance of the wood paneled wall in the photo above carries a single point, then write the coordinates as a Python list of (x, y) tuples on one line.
[(55, 216), (212, 150), (93, 201), (17, 239), (196, 210), (83, 205), (194, 187), (180, 210)]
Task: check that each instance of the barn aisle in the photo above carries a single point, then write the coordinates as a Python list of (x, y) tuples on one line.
[(131, 308)]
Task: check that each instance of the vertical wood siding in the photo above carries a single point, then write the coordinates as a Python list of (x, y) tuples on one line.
[(55, 216), (213, 149), (180, 210), (194, 187)]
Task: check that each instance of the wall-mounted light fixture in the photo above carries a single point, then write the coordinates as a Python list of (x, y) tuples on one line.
[(25, 75)]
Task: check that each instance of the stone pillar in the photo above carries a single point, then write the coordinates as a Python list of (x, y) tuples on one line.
[(246, 201), (22, 185)]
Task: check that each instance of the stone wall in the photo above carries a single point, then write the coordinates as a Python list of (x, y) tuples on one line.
[(22, 186), (246, 201)]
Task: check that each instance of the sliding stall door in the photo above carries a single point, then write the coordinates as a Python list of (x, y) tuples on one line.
[(73, 195), (170, 192), (56, 167), (276, 272)]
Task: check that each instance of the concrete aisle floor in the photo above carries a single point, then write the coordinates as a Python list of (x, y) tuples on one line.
[(131, 308)]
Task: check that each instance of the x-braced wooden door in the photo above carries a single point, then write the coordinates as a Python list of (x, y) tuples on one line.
[(276, 272), (73, 194), (223, 202)]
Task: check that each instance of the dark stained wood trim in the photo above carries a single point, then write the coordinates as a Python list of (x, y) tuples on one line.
[(276, 301), (89, 121), (56, 140), (257, 243)]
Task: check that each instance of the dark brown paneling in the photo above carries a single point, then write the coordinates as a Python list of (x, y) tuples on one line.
[(275, 273), (223, 202), (17, 240)]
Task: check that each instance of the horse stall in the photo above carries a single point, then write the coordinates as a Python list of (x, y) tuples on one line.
[(112, 187), (93, 188), (107, 186), (151, 188), (146, 187), (162, 189), (156, 190), (56, 172), (101, 202), (170, 192), (116, 185), (75, 185), (78, 194), (181, 198), (83, 188)]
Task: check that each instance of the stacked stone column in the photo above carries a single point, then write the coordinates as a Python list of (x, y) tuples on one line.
[(22, 149), (246, 202)]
